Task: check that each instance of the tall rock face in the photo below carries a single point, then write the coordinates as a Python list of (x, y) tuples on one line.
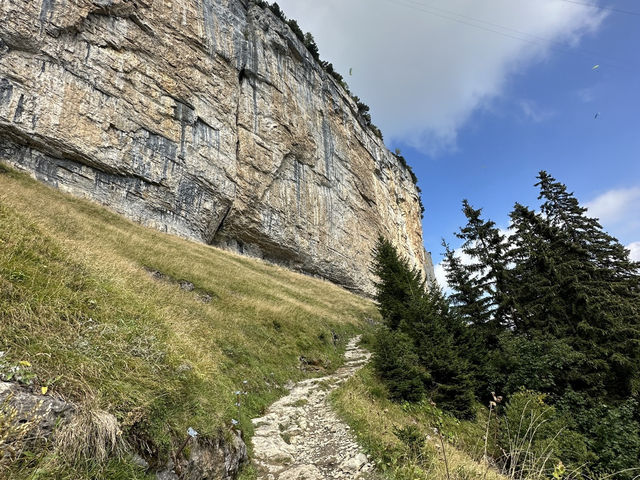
[(207, 119)]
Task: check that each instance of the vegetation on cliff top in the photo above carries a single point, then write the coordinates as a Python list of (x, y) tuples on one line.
[(92, 308)]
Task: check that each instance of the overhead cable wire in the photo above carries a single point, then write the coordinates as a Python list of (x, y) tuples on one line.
[(505, 31)]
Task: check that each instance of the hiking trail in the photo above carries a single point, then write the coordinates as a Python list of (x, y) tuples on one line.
[(302, 438)]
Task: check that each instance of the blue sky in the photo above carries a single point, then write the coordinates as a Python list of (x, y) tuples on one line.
[(544, 119), (478, 113)]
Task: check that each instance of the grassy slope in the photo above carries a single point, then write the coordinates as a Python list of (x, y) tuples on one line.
[(363, 402), (77, 303)]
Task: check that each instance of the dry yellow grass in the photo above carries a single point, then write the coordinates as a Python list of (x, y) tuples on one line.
[(78, 303), (362, 402)]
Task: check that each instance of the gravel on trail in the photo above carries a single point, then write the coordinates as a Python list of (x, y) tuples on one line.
[(302, 438)]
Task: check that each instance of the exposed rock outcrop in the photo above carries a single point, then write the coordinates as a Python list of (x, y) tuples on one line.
[(39, 413), (35, 417), (220, 459), (203, 118)]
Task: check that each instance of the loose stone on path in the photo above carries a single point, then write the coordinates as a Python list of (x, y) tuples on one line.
[(301, 437)]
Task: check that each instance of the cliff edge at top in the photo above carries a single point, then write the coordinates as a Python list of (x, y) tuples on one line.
[(208, 119)]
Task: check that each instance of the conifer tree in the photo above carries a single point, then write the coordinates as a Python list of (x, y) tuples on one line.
[(558, 307), (488, 250), (398, 284), (599, 287), (467, 297), (421, 316)]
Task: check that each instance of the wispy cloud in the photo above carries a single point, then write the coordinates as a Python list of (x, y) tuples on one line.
[(441, 277), (616, 206), (425, 67), (619, 213), (533, 112)]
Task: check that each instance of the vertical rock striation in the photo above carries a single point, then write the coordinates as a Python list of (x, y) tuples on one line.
[(207, 119)]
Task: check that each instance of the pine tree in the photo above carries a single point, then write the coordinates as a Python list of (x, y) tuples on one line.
[(397, 364), (598, 291), (421, 316), (556, 310), (398, 284), (488, 250), (539, 274), (441, 338), (468, 298), (481, 295)]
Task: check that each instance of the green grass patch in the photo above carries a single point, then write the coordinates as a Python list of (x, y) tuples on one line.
[(401, 438), (79, 306)]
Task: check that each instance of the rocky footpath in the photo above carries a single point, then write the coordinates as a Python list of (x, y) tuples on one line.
[(203, 118), (301, 438)]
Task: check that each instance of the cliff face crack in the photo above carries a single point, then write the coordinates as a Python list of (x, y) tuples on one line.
[(277, 175), (220, 225), (237, 117)]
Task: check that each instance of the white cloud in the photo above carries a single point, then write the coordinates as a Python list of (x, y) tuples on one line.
[(425, 66), (635, 251), (619, 212), (441, 276)]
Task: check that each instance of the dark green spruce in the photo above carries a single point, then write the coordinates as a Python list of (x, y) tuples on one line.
[(550, 306)]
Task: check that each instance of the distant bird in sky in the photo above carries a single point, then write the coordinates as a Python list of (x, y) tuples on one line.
[(350, 71), (595, 117), (595, 67)]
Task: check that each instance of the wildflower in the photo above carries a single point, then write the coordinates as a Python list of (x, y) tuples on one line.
[(44, 390), (234, 421), (245, 381), (237, 392), (192, 433), (559, 471), (24, 363)]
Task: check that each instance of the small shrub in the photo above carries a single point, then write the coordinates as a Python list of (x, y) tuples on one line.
[(396, 363), (412, 437)]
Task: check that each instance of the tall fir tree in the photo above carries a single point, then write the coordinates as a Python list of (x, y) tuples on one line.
[(422, 316), (555, 308), (398, 284), (488, 251), (597, 291)]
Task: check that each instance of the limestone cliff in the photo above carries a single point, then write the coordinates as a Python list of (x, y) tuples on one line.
[(203, 118)]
